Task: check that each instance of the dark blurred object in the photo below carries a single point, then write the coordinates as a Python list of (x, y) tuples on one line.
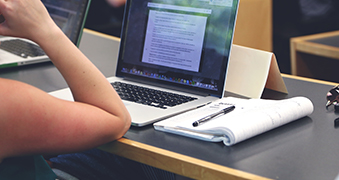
[(332, 96), (104, 18), (292, 18), (2, 18)]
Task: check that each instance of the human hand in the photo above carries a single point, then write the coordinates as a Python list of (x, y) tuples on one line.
[(116, 3), (25, 18)]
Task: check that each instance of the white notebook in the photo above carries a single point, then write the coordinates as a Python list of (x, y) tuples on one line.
[(250, 117)]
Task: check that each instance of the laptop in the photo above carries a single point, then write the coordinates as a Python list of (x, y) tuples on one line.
[(69, 15), (171, 47)]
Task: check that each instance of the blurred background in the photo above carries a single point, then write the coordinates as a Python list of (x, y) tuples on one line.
[(272, 21)]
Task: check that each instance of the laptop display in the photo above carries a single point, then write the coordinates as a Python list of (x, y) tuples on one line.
[(184, 43), (69, 15)]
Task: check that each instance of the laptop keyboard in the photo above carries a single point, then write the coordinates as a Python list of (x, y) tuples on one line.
[(21, 48), (147, 96)]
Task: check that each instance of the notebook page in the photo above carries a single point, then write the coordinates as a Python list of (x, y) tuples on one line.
[(252, 117)]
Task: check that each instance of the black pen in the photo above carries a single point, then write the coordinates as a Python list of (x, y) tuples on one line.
[(209, 117)]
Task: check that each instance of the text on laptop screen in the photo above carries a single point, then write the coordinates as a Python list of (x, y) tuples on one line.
[(186, 42), (68, 15)]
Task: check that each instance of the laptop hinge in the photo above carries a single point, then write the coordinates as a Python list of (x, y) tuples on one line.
[(157, 84)]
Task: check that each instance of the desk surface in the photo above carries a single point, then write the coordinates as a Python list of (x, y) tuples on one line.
[(322, 44), (305, 149), (327, 38), (308, 52), (329, 41)]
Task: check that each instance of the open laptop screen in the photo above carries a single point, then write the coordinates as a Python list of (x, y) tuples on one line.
[(69, 15), (182, 43)]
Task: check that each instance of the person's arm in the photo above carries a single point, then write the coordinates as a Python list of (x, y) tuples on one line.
[(32, 121)]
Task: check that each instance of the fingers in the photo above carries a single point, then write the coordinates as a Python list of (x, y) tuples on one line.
[(22, 18)]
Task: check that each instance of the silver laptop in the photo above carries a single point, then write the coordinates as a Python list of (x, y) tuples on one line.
[(171, 47), (69, 15)]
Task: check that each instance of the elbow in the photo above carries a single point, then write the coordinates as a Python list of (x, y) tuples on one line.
[(115, 129), (126, 122)]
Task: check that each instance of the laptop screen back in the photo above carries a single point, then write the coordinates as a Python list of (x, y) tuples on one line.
[(69, 15), (179, 43)]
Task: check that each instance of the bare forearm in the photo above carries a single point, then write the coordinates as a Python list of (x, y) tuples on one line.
[(86, 82), (46, 124)]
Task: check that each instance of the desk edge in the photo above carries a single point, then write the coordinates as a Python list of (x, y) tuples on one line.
[(174, 162), (309, 79)]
